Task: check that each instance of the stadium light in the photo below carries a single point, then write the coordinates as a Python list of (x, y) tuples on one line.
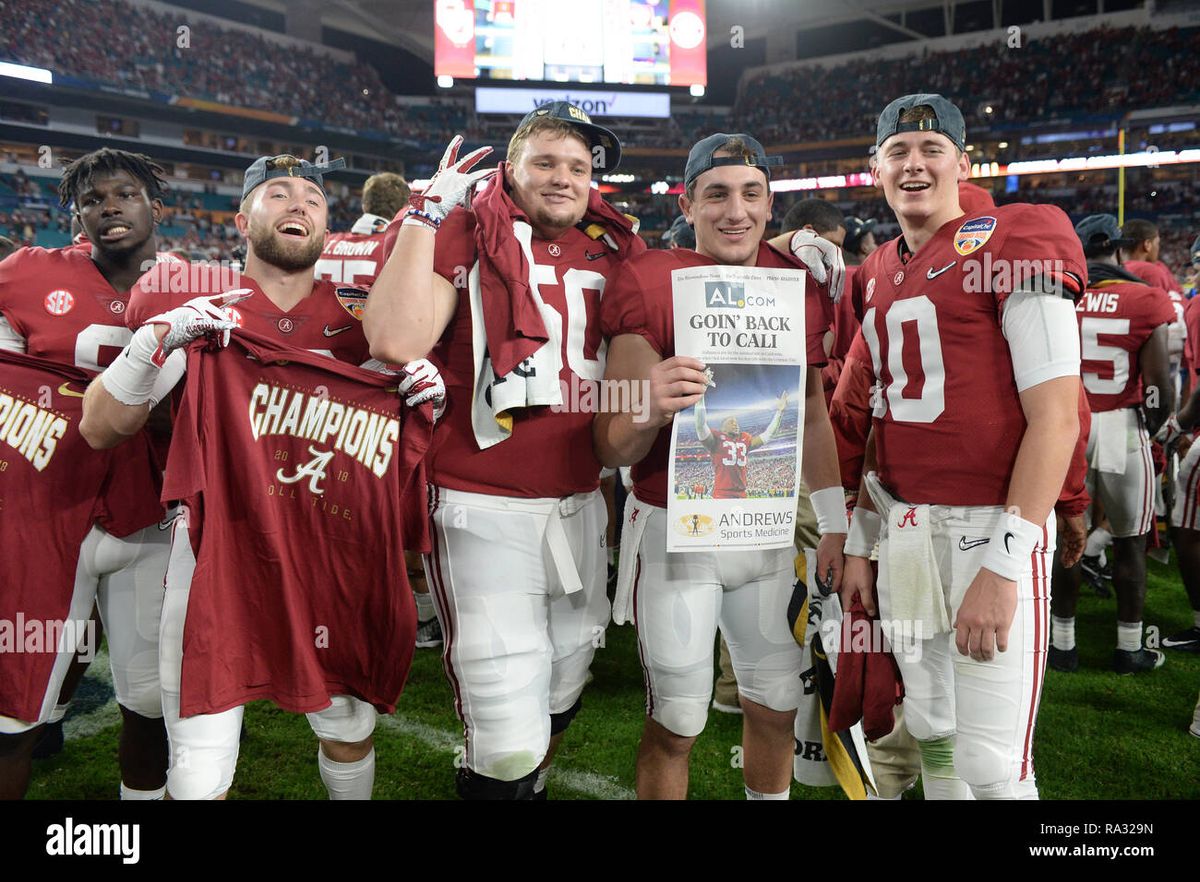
[(1002, 145), (24, 72), (696, 90), (445, 82)]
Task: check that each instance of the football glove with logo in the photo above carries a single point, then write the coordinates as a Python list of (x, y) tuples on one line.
[(449, 187), (822, 258), (423, 382), (141, 374), (199, 317)]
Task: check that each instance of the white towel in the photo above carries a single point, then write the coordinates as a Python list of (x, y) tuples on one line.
[(915, 596), (1110, 441), (631, 541), (533, 382)]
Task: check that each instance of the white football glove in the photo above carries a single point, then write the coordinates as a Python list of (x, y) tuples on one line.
[(199, 317), (423, 382), (449, 186), (822, 258)]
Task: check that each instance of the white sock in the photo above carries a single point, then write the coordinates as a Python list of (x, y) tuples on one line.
[(1195, 621), (128, 793), (1099, 539), (425, 610), (754, 794), (347, 780), (60, 710), (1062, 632), (612, 555), (1129, 636), (1196, 717), (539, 783)]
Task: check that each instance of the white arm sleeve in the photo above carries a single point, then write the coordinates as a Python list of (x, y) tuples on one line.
[(1043, 337), (10, 339)]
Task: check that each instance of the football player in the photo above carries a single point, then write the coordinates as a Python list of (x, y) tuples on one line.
[(68, 305), (678, 600), (1140, 257), (975, 421), (729, 449), (1124, 326), (356, 257), (505, 292), (283, 220)]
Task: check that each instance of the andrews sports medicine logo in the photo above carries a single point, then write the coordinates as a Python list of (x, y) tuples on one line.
[(724, 294)]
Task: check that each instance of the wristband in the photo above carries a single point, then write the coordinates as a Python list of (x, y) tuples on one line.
[(131, 376), (829, 505), (864, 532), (414, 216), (1011, 546)]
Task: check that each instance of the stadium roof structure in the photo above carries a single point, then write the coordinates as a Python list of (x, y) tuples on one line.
[(409, 23)]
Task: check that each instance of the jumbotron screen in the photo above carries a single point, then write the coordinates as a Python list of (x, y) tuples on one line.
[(634, 42)]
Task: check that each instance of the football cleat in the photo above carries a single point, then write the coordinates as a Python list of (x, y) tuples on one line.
[(1188, 641), (1065, 660), (429, 633), (1140, 662)]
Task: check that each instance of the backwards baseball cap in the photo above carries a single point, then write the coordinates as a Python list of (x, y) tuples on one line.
[(701, 157), (681, 234), (856, 231), (604, 160), (948, 119), (1101, 233), (285, 165)]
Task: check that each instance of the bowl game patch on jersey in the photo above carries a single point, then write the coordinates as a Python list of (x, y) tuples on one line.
[(353, 300), (973, 234)]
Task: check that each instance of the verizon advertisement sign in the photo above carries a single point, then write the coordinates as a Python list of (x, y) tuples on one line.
[(647, 104)]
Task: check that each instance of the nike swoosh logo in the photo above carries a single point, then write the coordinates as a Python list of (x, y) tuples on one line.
[(65, 389), (328, 333), (931, 274), (964, 545), (1006, 537), (595, 256)]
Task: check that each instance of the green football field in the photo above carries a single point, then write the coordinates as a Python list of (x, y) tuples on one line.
[(1099, 736)]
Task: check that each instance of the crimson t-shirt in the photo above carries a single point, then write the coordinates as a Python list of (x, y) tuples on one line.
[(639, 301), (50, 481), (300, 475)]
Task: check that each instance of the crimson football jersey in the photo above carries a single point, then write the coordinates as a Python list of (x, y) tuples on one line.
[(49, 482), (1191, 318), (549, 454), (357, 257), (324, 322), (1117, 314), (67, 312), (300, 474), (639, 302), (948, 419), (729, 462)]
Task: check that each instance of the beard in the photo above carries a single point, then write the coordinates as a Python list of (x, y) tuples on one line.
[(289, 255)]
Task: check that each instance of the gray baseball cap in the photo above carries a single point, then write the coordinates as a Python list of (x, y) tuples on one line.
[(285, 165), (948, 119), (1101, 232), (701, 159), (597, 136)]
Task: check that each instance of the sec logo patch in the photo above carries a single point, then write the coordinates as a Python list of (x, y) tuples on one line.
[(60, 302), (974, 234)]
